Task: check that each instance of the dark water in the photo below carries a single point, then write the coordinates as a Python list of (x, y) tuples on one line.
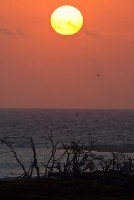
[(113, 130)]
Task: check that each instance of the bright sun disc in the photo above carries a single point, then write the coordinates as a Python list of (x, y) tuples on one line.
[(66, 20)]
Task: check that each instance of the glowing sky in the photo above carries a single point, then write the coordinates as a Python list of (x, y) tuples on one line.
[(40, 68)]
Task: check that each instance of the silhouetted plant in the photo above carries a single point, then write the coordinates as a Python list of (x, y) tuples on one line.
[(53, 162), (26, 173), (15, 155), (34, 163), (75, 159)]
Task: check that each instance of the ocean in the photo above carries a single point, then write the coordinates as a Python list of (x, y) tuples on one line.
[(111, 130)]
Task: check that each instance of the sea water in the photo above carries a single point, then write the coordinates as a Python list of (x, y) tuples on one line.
[(112, 130)]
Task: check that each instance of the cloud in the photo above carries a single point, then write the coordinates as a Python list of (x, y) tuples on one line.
[(6, 31), (21, 33), (90, 33), (9, 32)]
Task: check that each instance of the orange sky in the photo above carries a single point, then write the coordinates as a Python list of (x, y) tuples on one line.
[(40, 68)]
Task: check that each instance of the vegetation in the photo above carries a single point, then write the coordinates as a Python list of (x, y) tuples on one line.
[(75, 160), (78, 173)]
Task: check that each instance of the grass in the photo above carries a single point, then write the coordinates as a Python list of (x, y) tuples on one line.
[(62, 190)]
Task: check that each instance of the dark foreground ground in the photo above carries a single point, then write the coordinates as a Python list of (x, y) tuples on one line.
[(98, 188)]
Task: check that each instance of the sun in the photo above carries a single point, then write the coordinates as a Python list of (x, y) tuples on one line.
[(66, 20)]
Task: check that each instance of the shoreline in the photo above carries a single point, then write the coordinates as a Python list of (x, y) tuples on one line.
[(123, 148)]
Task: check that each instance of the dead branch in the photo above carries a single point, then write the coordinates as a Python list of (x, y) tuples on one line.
[(9, 145), (34, 164)]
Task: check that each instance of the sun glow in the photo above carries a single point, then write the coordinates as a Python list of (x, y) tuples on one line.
[(66, 20)]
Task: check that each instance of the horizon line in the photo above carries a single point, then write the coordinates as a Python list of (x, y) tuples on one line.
[(67, 108)]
